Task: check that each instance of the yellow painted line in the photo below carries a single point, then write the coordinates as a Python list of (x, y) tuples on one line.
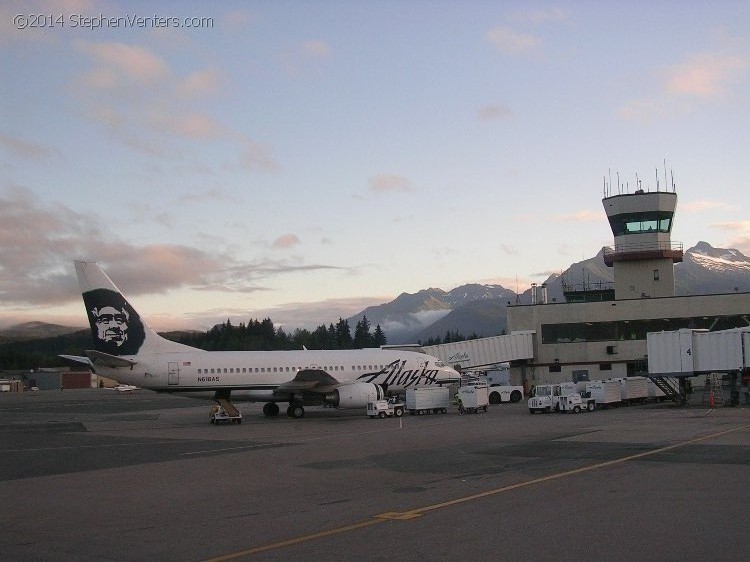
[(418, 512), (297, 540)]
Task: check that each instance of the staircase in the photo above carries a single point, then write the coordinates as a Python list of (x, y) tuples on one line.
[(714, 384), (229, 408), (669, 386)]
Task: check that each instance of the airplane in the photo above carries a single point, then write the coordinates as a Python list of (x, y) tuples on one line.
[(129, 351)]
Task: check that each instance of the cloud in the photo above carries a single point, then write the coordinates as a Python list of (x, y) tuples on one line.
[(137, 97), (412, 322), (237, 19), (700, 78), (202, 83), (736, 226), (24, 148), (700, 206), (120, 64), (580, 216), (39, 240), (510, 42), (493, 113), (383, 183), (317, 49), (705, 75), (285, 242), (306, 56), (256, 156), (540, 16), (643, 110)]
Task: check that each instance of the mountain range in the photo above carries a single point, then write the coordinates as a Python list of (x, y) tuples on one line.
[(480, 310)]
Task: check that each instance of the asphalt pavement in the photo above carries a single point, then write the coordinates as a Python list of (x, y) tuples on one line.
[(101, 475)]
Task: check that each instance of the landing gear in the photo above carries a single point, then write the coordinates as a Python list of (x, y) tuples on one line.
[(295, 410), (270, 409)]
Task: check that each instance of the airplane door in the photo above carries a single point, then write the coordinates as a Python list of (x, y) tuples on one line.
[(173, 373)]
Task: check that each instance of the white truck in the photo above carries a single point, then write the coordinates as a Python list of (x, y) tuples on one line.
[(428, 399), (546, 397), (473, 398), (576, 403), (385, 408)]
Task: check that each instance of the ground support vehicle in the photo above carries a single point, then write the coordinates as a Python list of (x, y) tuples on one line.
[(473, 399), (224, 413), (385, 408), (428, 399), (576, 403), (546, 397), (505, 393)]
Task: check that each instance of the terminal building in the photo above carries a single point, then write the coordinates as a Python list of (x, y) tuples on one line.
[(600, 332)]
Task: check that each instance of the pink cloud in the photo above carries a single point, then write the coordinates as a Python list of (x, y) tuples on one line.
[(286, 241), (705, 75), (511, 42)]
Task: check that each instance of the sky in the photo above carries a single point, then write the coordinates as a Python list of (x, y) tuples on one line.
[(302, 160)]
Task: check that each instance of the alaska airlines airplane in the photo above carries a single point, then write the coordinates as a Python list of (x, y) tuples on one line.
[(130, 352)]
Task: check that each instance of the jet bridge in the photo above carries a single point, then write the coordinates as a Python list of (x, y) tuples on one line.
[(484, 352)]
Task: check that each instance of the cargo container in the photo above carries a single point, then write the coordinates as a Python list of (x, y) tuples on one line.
[(605, 393), (633, 389), (427, 399), (473, 399)]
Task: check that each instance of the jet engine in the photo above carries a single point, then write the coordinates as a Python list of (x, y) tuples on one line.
[(355, 395)]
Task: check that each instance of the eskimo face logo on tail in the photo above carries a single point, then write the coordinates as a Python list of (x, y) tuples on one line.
[(116, 327)]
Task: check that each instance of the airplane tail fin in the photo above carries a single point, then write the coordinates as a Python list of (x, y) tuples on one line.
[(116, 326)]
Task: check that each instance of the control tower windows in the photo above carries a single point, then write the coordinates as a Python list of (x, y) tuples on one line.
[(637, 223)]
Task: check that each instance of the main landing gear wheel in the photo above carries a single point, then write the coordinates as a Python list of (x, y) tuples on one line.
[(271, 409), (295, 411)]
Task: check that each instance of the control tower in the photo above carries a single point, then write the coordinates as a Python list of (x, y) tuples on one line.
[(643, 256)]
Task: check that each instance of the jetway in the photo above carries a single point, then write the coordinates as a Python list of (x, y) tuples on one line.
[(686, 352), (681, 354), (484, 352)]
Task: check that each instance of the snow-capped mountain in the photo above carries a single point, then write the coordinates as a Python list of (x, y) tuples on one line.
[(481, 309), (408, 314)]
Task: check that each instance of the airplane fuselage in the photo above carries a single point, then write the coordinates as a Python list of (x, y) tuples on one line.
[(255, 375)]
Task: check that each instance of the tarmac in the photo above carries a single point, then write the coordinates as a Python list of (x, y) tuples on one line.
[(102, 475)]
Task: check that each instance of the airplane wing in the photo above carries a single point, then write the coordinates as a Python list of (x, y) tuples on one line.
[(308, 380)]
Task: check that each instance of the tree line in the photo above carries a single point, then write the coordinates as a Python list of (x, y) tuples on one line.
[(262, 335)]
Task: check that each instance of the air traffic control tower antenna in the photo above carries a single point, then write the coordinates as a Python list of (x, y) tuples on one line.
[(643, 256)]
